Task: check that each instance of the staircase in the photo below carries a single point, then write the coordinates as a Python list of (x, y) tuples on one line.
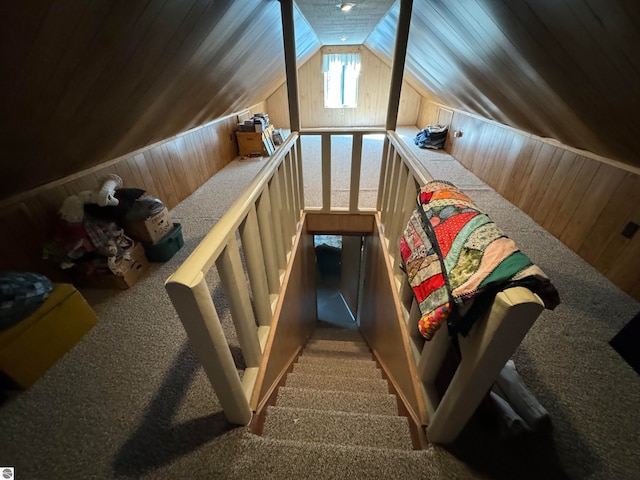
[(336, 396)]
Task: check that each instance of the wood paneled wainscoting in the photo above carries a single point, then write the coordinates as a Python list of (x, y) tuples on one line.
[(170, 170), (583, 199)]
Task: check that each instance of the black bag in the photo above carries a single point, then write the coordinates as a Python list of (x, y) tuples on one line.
[(432, 137)]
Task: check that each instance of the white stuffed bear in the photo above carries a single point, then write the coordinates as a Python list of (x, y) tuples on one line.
[(72, 209)]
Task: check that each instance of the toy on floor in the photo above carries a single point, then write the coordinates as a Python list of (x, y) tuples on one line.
[(79, 233), (72, 209)]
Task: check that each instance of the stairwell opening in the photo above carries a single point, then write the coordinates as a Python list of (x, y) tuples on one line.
[(338, 278)]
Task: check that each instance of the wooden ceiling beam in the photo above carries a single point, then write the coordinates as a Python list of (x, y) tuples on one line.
[(397, 68), (286, 7)]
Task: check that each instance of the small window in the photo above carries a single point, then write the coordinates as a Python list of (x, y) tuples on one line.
[(341, 71)]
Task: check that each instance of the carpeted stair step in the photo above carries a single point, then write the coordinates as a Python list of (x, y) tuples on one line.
[(356, 339), (289, 459), (354, 369), (337, 334), (337, 383), (337, 346), (334, 354), (342, 428), (356, 402), (337, 360)]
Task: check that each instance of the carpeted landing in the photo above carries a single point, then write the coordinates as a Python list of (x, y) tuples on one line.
[(336, 396)]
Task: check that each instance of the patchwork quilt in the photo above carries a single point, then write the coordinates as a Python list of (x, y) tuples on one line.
[(455, 256)]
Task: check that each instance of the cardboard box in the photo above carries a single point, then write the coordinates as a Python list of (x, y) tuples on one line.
[(132, 270), (152, 229), (29, 348), (250, 143)]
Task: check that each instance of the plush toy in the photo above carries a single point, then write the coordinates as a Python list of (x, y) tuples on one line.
[(105, 196), (78, 234), (72, 209)]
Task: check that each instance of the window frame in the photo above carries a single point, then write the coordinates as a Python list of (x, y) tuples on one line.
[(343, 80)]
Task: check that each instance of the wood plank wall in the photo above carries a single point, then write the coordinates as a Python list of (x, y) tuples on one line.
[(373, 95), (170, 170), (427, 115), (382, 324), (582, 199)]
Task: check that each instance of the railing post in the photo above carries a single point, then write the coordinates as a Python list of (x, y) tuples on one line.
[(198, 315), (326, 171), (298, 149), (287, 166), (384, 165), (356, 161), (414, 317), (484, 351), (268, 245), (296, 186), (252, 246), (392, 190), (287, 230), (276, 216), (406, 208), (235, 288), (395, 222), (433, 355)]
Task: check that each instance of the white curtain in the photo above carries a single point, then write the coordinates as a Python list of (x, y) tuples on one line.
[(341, 79), (350, 60)]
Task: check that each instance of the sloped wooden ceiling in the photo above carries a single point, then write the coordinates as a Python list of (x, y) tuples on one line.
[(337, 27), (86, 81), (564, 69)]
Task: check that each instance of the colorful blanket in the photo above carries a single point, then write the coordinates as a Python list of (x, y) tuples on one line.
[(452, 252)]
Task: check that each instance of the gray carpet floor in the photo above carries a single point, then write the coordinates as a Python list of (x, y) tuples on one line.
[(131, 401)]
